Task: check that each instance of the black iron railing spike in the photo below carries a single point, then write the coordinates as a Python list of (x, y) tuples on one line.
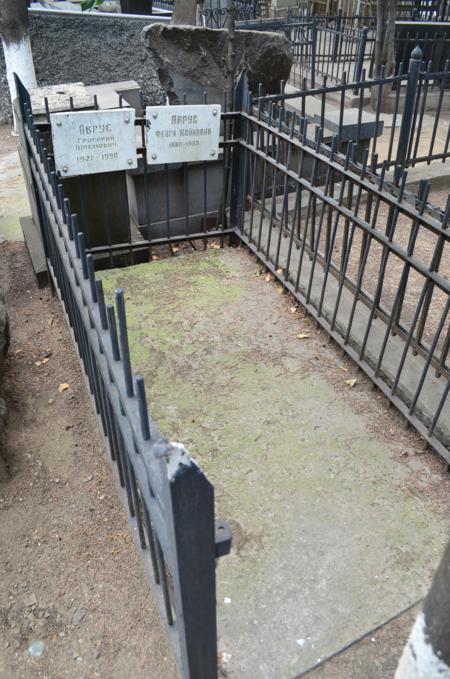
[(142, 405), (111, 314), (91, 274), (101, 304), (123, 341), (82, 249)]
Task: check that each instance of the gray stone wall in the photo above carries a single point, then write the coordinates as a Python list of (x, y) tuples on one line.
[(88, 48)]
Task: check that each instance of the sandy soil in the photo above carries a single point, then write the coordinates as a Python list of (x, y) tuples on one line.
[(71, 576)]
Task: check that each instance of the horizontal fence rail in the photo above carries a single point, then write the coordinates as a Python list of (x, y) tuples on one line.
[(367, 264), (169, 499)]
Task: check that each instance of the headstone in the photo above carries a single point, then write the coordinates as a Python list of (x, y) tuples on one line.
[(89, 142), (177, 134)]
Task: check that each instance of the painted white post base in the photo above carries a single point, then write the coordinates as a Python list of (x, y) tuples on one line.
[(19, 59), (419, 660)]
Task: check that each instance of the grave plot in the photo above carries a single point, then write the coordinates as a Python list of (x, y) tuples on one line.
[(330, 537), (333, 531)]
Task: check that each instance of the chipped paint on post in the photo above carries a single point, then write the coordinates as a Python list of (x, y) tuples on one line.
[(419, 659), (177, 458)]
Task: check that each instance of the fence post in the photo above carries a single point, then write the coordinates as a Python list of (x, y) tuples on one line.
[(361, 54), (194, 579), (337, 34), (313, 51), (237, 168), (408, 112)]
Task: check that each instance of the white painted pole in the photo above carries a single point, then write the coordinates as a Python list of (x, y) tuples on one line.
[(16, 45), (427, 652)]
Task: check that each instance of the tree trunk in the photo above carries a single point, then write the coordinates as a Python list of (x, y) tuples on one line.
[(231, 55), (427, 652), (16, 44), (385, 37), (185, 12)]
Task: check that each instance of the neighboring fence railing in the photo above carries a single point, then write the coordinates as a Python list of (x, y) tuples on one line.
[(434, 44), (368, 265), (169, 499), (215, 12), (166, 5), (415, 105)]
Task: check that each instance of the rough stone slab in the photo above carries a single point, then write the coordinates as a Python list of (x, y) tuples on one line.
[(332, 534), (192, 59), (58, 97), (108, 94), (368, 127)]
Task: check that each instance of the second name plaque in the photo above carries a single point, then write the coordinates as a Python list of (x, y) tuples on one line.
[(178, 134)]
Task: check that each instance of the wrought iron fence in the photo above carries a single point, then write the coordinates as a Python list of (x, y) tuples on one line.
[(434, 44), (166, 5), (215, 12), (424, 10), (169, 499), (410, 119), (369, 265)]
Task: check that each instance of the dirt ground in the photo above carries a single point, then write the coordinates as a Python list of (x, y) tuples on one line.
[(71, 576), (66, 548)]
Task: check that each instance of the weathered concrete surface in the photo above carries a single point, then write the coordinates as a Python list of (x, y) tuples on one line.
[(333, 532), (88, 48), (193, 58)]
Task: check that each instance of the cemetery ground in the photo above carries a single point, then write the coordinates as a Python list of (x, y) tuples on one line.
[(71, 576)]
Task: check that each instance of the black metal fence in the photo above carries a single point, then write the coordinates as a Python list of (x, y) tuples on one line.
[(409, 118), (215, 12), (169, 499), (370, 265)]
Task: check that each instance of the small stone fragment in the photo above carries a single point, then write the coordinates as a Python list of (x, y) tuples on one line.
[(36, 649), (78, 616)]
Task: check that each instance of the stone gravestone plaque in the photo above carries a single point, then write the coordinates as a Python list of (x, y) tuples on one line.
[(89, 142), (177, 134)]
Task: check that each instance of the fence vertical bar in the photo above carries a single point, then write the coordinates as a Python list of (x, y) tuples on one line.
[(361, 55), (408, 113), (313, 51), (337, 34)]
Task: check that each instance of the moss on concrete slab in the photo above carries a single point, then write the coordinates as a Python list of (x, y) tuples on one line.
[(328, 541)]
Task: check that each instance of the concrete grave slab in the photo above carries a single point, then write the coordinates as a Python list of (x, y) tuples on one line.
[(332, 534), (58, 97)]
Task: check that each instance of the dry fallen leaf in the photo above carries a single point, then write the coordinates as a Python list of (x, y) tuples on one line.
[(38, 363), (269, 277), (50, 321), (44, 361), (279, 271), (280, 289), (351, 383), (302, 335), (293, 309), (62, 387)]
